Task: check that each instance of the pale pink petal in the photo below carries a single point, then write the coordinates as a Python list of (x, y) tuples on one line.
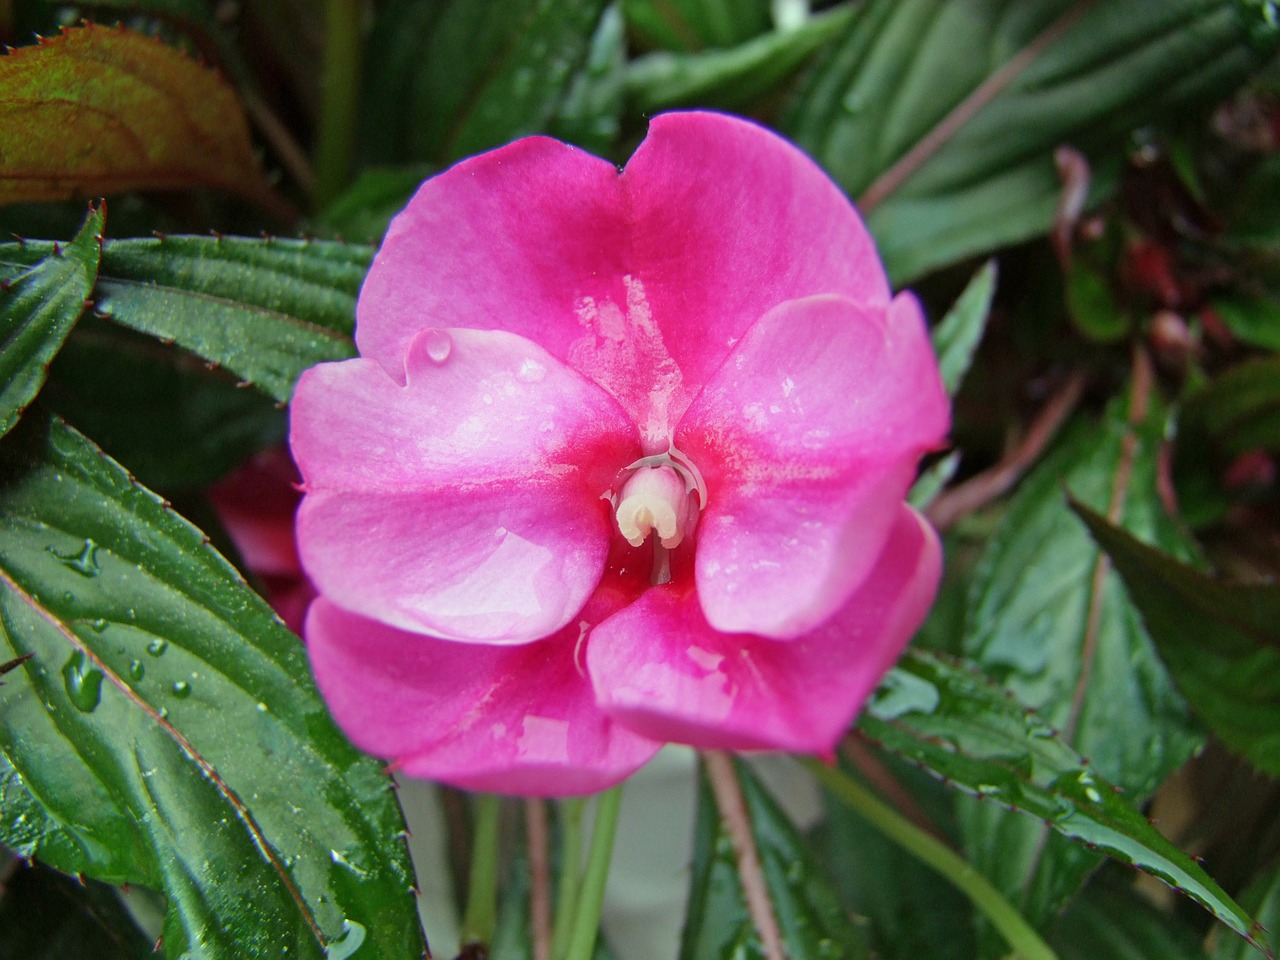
[(640, 281), (808, 439), (516, 720), (466, 503), (661, 669)]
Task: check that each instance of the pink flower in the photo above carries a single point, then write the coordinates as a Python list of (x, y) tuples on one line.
[(622, 462)]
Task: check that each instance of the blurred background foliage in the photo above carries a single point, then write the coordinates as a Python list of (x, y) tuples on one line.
[(1088, 192)]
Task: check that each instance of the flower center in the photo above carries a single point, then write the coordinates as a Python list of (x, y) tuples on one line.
[(660, 495)]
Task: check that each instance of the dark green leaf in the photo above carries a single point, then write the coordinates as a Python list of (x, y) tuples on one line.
[(591, 113), (1113, 922), (1093, 305), (446, 80), (265, 309), (810, 918), (1048, 620), (1239, 410), (1220, 640), (45, 915), (1263, 898), (362, 213), (693, 24), (733, 79), (956, 723), (166, 731), (1254, 320), (956, 338), (173, 423), (952, 155), (38, 308)]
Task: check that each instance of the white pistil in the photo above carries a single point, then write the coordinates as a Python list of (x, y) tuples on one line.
[(655, 499)]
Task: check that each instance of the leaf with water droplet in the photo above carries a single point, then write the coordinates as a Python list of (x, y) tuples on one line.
[(83, 562), (83, 682)]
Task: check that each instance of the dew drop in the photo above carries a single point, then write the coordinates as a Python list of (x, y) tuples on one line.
[(83, 682), (181, 689), (136, 670), (85, 562), (157, 646), (353, 935), (438, 345), (98, 625)]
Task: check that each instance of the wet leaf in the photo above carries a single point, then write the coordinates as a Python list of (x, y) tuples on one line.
[(1047, 619), (265, 309), (1220, 640), (953, 155), (145, 116), (956, 337), (693, 24), (38, 308), (956, 723), (166, 731)]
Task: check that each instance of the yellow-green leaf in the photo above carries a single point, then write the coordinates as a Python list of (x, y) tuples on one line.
[(101, 110)]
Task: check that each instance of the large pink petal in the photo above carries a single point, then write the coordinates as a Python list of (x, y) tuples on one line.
[(640, 281), (466, 503), (808, 438), (661, 669), (502, 719)]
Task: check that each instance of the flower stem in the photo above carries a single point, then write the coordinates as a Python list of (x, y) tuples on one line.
[(339, 90), (1024, 941), (567, 889), (482, 891), (587, 922)]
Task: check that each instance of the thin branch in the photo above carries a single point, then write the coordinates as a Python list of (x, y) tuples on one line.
[(966, 109), (535, 827), (733, 810), (985, 487)]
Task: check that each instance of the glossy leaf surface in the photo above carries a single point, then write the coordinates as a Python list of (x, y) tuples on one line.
[(952, 155), (38, 308), (166, 732)]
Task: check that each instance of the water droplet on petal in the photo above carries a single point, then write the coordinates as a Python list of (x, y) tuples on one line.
[(181, 689), (83, 682), (438, 345), (157, 646)]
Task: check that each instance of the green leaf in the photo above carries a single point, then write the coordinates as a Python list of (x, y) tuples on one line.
[(1220, 640), (38, 308), (952, 155), (591, 113), (1049, 621), (1238, 410), (166, 731), (451, 79), (362, 213), (1263, 898), (265, 309), (693, 24), (958, 724), (1254, 319), (956, 338), (812, 922), (731, 79), (1113, 922), (47, 916), (173, 423)]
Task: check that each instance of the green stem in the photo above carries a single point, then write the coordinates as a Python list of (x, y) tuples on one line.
[(1026, 943), (591, 898), (567, 887), (482, 890), (339, 90)]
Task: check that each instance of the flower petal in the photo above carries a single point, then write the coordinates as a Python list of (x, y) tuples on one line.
[(640, 281), (466, 503), (503, 719), (661, 669), (808, 438)]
